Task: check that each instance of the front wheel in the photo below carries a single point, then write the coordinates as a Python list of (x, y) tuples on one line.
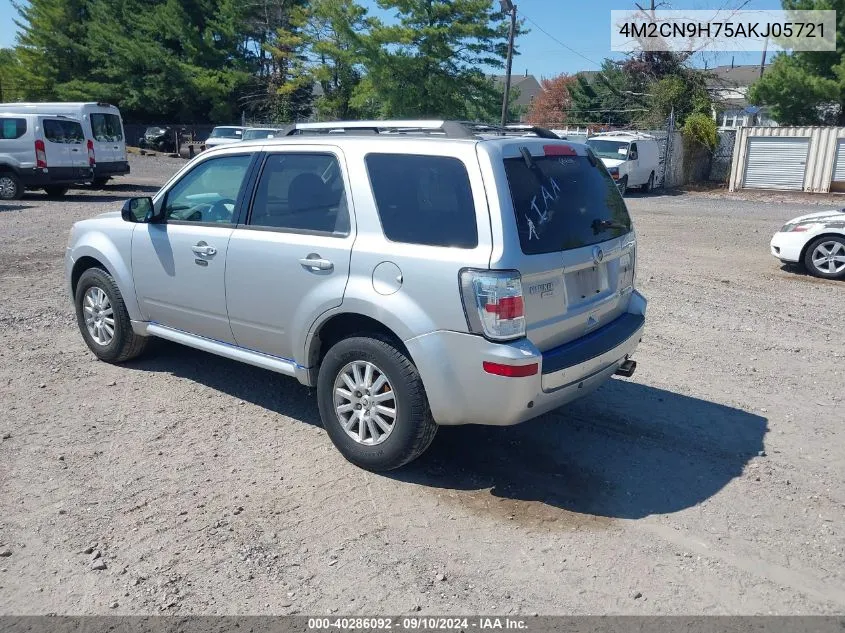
[(373, 404), (649, 186), (622, 184), (825, 257), (103, 319)]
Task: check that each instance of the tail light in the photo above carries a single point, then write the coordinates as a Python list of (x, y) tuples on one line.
[(628, 268), (493, 303), (91, 160), (40, 154)]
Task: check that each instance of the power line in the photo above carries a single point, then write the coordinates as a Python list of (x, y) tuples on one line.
[(569, 48)]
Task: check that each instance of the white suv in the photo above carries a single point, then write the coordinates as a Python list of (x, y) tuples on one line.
[(417, 273)]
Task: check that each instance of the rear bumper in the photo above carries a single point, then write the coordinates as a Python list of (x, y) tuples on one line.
[(105, 170), (37, 178), (461, 392)]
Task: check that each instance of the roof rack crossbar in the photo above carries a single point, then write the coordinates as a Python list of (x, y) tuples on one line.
[(448, 129)]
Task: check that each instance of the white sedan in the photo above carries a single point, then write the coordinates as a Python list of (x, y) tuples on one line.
[(816, 241)]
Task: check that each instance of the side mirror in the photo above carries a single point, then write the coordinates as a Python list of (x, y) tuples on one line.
[(139, 210)]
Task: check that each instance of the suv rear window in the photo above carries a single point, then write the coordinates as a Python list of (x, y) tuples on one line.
[(564, 202), (63, 131), (12, 128), (423, 199), (106, 127)]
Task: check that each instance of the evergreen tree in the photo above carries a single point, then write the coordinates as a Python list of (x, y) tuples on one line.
[(427, 64)]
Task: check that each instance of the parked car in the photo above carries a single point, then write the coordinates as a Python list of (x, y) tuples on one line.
[(223, 134), (257, 133), (631, 158), (815, 241), (160, 139), (103, 128), (40, 151), (418, 279)]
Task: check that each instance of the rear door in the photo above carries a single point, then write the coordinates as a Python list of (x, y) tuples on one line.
[(570, 236), (107, 133), (290, 261), (59, 139)]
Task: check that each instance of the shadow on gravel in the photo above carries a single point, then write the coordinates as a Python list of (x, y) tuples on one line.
[(626, 451), (15, 206), (261, 387)]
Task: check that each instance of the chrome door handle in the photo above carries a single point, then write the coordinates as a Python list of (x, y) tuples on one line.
[(315, 262), (204, 249)]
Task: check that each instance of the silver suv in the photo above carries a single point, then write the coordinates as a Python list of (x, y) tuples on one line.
[(417, 273)]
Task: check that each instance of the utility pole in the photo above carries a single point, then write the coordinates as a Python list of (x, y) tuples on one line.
[(763, 60), (508, 7)]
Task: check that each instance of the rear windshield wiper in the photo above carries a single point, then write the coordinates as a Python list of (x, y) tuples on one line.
[(600, 225)]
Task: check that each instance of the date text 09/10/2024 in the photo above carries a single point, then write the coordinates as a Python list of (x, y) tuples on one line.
[(417, 623)]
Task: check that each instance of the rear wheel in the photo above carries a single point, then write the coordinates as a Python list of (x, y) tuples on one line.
[(103, 319), (55, 191), (11, 187), (825, 257), (373, 404)]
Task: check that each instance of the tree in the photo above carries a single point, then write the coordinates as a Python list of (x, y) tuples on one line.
[(552, 105), (156, 59), (427, 64), (11, 87), (610, 97), (806, 88), (335, 41)]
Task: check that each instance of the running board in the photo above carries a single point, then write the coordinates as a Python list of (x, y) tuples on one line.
[(279, 365)]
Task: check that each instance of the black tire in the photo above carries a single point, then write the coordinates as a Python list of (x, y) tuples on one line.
[(413, 429), (55, 191), (125, 344), (99, 183), (622, 185), (649, 186), (808, 256), (11, 187)]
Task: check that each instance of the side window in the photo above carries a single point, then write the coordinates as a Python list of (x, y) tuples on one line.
[(63, 131), (12, 128), (423, 199), (208, 193), (632, 153), (301, 192)]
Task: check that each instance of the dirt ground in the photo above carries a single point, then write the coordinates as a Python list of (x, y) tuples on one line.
[(713, 482)]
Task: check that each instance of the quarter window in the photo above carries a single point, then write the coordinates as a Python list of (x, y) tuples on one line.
[(209, 192), (423, 199), (301, 192), (106, 127), (12, 128), (63, 131)]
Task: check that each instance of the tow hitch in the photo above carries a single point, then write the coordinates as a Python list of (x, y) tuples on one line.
[(627, 368)]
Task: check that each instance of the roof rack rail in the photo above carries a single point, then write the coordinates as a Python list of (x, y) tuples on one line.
[(446, 129), (632, 133)]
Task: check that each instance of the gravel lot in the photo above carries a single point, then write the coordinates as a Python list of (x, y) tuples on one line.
[(711, 482)]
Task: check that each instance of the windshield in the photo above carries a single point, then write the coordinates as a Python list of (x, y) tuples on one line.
[(256, 134), (226, 132), (609, 149), (564, 202)]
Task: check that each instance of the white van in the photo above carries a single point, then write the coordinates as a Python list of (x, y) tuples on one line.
[(631, 158), (41, 151), (103, 126)]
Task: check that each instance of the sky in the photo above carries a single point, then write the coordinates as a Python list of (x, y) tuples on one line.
[(565, 36)]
